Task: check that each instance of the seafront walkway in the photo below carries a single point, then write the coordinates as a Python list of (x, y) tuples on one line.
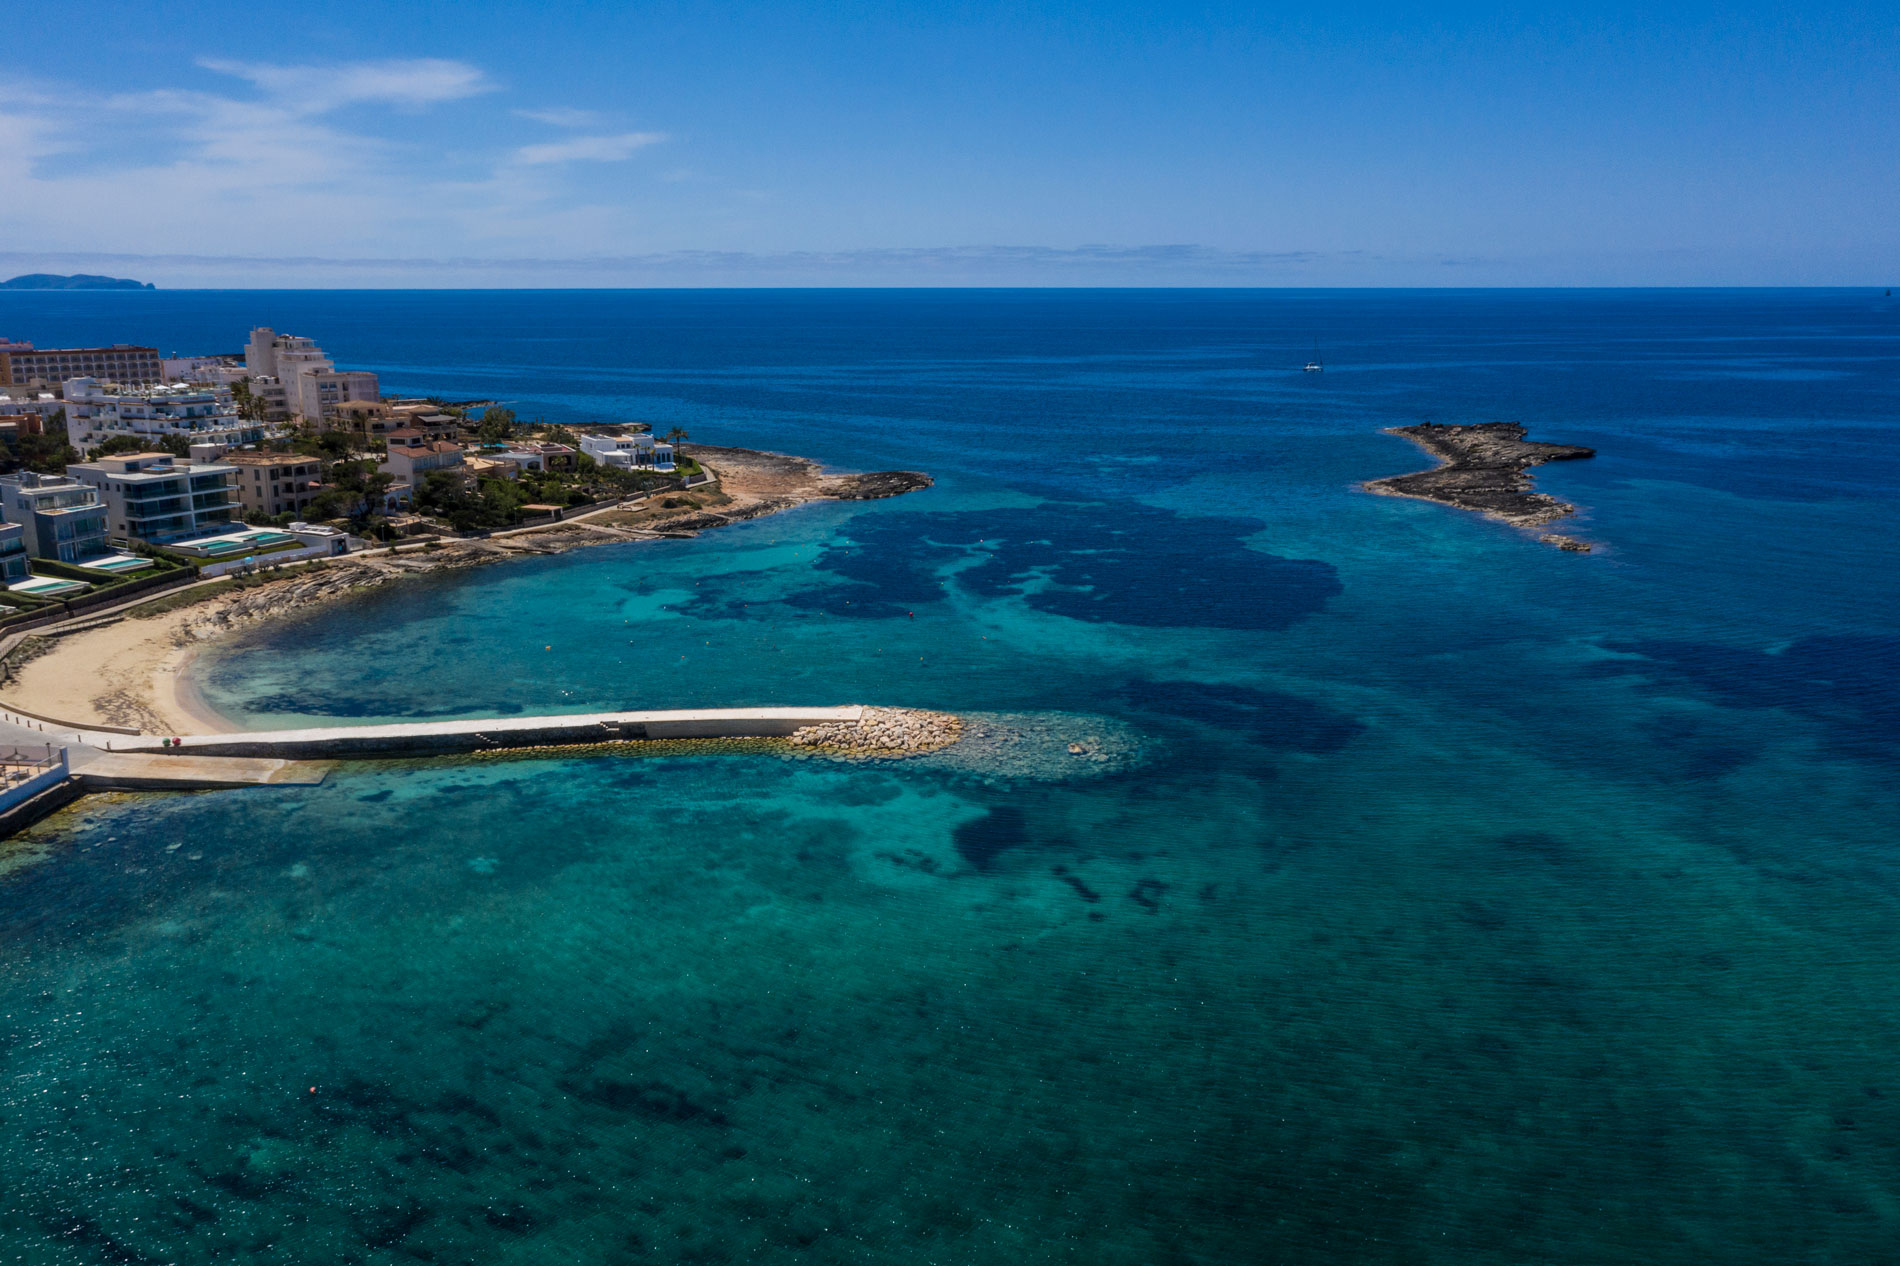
[(424, 738), (116, 760)]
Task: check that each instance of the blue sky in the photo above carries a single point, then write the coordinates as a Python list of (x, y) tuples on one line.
[(503, 144)]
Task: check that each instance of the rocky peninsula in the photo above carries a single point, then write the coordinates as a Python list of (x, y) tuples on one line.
[(1485, 468), (131, 669)]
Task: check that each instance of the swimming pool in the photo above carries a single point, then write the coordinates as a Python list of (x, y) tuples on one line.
[(118, 563)]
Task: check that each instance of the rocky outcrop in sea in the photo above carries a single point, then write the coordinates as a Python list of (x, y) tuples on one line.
[(1485, 469)]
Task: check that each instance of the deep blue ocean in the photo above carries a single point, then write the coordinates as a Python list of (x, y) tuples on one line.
[(1427, 895)]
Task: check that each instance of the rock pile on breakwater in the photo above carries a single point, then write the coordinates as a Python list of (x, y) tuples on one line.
[(884, 732)]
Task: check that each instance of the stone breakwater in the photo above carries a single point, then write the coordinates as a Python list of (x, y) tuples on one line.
[(884, 732)]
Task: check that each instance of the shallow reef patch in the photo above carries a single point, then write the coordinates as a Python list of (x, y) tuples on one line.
[(1121, 564), (1267, 718), (1849, 683)]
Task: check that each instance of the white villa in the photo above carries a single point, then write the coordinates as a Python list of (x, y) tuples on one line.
[(629, 452)]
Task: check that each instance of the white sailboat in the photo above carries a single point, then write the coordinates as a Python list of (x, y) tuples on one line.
[(1314, 366)]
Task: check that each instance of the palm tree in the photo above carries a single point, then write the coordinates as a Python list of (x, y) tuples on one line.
[(677, 434), (249, 407)]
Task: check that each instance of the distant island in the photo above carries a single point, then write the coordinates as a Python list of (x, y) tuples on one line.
[(78, 281), (1484, 470)]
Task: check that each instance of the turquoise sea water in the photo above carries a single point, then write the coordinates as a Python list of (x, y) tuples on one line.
[(1428, 895)]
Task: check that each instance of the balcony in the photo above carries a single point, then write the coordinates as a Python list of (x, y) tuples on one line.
[(154, 491)]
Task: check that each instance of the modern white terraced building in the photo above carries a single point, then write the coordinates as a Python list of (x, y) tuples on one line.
[(158, 498), (97, 411), (60, 518)]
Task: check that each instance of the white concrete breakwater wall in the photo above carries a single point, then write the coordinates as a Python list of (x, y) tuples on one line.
[(425, 738)]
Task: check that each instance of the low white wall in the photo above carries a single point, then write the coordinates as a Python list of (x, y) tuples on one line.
[(26, 789), (265, 560)]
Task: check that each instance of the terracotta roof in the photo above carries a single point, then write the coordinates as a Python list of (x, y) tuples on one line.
[(434, 446)]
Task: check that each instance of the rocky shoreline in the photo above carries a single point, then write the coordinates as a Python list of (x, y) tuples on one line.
[(749, 485), (1486, 469)]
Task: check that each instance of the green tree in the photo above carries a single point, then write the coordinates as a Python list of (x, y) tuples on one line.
[(249, 406), (497, 425), (48, 453), (176, 445), (493, 503)]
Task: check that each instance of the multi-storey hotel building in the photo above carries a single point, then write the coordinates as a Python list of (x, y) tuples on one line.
[(22, 363)]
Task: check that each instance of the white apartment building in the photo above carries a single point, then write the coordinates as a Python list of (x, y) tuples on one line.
[(96, 411), (202, 371), (294, 378), (14, 563), (60, 517), (43, 403), (158, 498), (273, 355), (629, 452), (320, 391)]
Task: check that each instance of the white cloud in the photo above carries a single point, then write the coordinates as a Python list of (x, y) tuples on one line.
[(414, 82), (208, 166), (561, 116), (590, 149)]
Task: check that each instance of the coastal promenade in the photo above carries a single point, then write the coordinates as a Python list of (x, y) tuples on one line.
[(428, 738), (92, 765), (114, 760)]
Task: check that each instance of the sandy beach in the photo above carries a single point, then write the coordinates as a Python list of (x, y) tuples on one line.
[(135, 671), (128, 673)]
